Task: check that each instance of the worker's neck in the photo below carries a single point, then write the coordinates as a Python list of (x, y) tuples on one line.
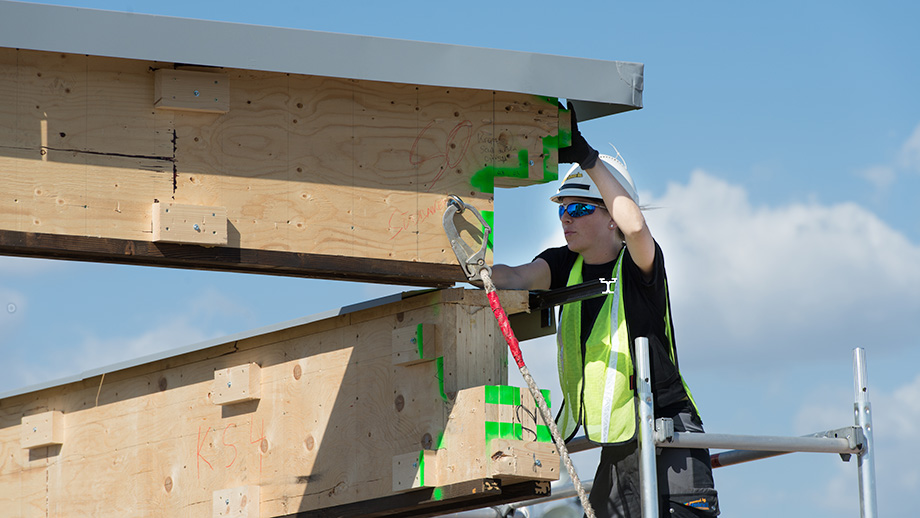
[(601, 254)]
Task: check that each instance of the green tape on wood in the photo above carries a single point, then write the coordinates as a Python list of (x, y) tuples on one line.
[(492, 431), (502, 395), (492, 394), (508, 395)]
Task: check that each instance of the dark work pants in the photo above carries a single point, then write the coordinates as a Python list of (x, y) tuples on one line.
[(685, 485)]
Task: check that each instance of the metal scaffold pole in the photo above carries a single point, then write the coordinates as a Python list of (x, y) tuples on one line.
[(648, 474), (868, 507)]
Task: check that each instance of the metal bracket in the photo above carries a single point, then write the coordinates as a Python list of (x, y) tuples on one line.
[(854, 435), (664, 429), (471, 261)]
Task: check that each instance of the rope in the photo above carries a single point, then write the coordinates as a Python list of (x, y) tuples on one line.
[(508, 333)]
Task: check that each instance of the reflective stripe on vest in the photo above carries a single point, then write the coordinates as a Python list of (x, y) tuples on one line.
[(596, 388)]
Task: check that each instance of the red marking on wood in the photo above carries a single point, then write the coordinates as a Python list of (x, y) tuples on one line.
[(199, 456), (451, 156), (404, 218), (223, 439)]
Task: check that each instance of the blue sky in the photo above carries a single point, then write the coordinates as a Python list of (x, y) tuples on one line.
[(780, 148)]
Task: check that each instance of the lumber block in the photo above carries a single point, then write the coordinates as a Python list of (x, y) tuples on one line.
[(44, 429), (495, 430), (237, 384), (189, 224), (333, 412), (237, 502), (414, 344), (533, 460), (189, 90)]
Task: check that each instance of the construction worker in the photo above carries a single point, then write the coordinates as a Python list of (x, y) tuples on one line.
[(607, 238)]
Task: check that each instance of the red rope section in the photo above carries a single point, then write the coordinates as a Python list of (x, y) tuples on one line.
[(505, 326)]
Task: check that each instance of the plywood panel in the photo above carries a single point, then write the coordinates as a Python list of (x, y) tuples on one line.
[(303, 164)]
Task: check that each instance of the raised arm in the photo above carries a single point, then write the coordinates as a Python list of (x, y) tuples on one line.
[(621, 206), (626, 214)]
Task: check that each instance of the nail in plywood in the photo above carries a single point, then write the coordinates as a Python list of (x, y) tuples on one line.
[(191, 91), (237, 384), (190, 224), (237, 502), (414, 344), (45, 429)]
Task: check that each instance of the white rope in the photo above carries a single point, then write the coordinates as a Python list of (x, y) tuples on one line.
[(547, 417)]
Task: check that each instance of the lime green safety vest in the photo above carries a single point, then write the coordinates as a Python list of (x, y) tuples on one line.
[(596, 388)]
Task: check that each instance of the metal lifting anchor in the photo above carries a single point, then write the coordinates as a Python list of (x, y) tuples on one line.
[(471, 262)]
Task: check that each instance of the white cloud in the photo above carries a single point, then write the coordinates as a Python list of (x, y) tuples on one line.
[(772, 284), (880, 176), (95, 351), (190, 320), (894, 414), (883, 176)]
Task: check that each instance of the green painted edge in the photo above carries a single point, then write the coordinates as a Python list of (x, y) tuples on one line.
[(439, 362), (543, 434), (550, 143), (517, 431), (489, 217), (546, 396), (484, 179), (421, 468), (418, 339), (440, 442)]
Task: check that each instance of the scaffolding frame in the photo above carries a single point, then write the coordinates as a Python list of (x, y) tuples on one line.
[(847, 441), (659, 433)]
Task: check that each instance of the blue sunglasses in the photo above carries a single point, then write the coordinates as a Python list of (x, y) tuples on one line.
[(577, 209)]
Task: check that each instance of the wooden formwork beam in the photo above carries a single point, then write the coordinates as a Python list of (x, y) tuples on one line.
[(94, 149), (379, 408)]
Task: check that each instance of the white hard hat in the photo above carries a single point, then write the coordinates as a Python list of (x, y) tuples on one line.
[(577, 183)]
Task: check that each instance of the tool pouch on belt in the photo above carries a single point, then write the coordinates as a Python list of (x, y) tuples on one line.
[(701, 503)]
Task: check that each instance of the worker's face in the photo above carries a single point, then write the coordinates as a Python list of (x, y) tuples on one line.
[(583, 233)]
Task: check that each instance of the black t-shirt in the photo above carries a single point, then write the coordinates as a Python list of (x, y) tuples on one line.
[(645, 302)]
